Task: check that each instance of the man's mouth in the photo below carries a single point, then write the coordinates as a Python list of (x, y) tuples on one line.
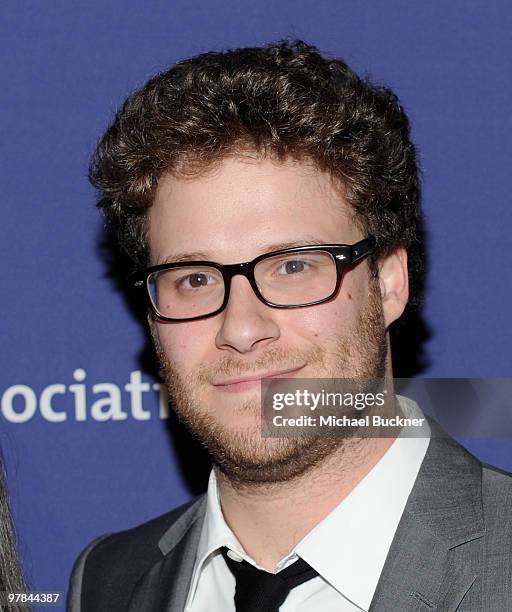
[(253, 381)]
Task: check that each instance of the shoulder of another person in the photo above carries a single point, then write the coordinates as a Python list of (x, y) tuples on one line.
[(107, 570)]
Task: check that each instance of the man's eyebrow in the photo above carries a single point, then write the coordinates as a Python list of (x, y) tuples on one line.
[(184, 256)]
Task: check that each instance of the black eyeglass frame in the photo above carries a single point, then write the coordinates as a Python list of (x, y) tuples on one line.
[(344, 255)]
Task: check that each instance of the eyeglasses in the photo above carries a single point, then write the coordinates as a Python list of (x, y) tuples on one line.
[(290, 278)]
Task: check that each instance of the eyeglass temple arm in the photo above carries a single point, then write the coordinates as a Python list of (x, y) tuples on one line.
[(363, 248), (134, 279)]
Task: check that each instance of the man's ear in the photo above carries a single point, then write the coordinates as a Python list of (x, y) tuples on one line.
[(394, 283)]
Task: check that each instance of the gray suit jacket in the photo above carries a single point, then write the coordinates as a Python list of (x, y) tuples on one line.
[(452, 549)]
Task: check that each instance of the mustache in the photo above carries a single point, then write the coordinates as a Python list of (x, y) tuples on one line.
[(273, 359)]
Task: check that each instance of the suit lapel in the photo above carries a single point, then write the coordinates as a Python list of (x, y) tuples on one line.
[(432, 563), (165, 586)]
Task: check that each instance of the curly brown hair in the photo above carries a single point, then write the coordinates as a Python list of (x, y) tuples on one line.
[(284, 100)]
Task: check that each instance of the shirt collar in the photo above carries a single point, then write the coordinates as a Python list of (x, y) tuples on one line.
[(214, 535), (349, 546)]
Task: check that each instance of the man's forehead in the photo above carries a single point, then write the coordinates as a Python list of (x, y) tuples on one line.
[(210, 255), (246, 209)]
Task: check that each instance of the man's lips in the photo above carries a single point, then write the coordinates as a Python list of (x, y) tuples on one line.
[(249, 382)]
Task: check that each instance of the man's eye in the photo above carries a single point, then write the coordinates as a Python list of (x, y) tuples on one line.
[(195, 280), (293, 266)]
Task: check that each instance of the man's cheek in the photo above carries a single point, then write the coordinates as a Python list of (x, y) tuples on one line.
[(319, 323), (183, 347)]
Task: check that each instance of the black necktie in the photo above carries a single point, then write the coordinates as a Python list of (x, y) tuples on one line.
[(260, 591)]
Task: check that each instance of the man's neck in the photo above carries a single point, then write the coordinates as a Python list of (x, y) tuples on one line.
[(269, 520)]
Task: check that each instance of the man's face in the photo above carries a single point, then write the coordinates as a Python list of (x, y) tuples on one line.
[(243, 208)]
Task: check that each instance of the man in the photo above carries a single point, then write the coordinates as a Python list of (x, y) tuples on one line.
[(288, 163)]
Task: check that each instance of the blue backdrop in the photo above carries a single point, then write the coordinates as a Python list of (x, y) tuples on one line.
[(86, 447)]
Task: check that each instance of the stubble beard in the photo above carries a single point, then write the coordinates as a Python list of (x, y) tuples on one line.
[(246, 458)]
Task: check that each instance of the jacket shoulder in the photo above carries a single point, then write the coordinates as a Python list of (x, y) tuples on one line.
[(497, 552), (496, 489), (107, 570)]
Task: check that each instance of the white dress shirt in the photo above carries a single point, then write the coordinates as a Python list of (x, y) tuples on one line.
[(347, 548)]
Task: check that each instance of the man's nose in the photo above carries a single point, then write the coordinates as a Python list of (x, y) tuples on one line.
[(247, 323)]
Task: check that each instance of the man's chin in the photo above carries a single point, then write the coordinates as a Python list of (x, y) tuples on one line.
[(240, 451), (275, 460)]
